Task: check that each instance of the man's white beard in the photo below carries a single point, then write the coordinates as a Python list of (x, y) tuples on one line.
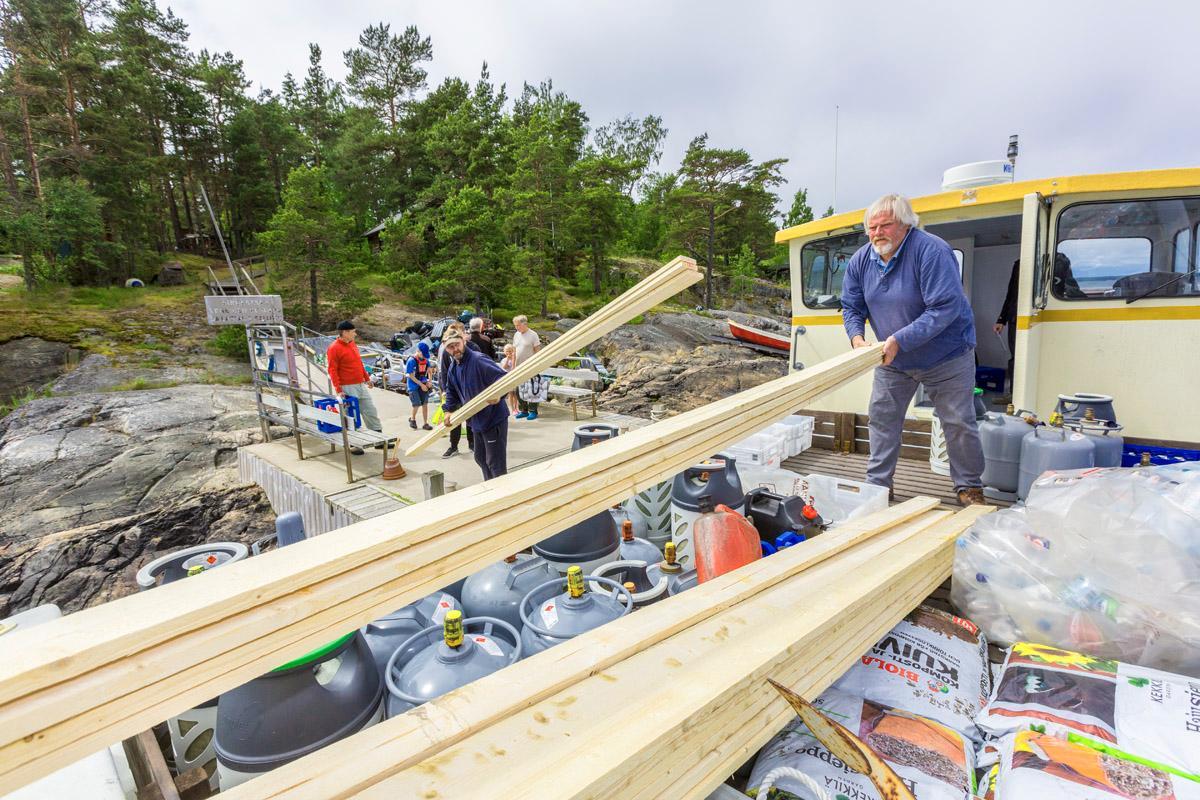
[(883, 249)]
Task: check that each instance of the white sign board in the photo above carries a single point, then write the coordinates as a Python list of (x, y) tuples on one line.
[(253, 309)]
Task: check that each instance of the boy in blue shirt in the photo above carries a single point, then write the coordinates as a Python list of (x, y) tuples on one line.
[(419, 384), (906, 282)]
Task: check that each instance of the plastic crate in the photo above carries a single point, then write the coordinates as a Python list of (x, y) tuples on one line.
[(838, 499), (1159, 456), (802, 432), (779, 481), (759, 450), (331, 404)]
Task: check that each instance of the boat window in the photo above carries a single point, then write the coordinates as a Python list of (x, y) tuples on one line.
[(1116, 251), (823, 266)]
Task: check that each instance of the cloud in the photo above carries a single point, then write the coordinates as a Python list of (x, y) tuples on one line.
[(1090, 87)]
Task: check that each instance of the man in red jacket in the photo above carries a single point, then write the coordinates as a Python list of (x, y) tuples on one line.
[(349, 377)]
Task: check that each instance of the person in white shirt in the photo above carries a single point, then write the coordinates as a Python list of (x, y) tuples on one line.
[(525, 343)]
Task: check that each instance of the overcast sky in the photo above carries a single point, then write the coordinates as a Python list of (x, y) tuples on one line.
[(1095, 86)]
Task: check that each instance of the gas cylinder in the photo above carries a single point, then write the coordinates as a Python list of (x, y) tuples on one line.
[(446, 657), (191, 732), (189, 561), (682, 582), (1075, 406), (593, 433), (1001, 436), (718, 479), (635, 549), (590, 543), (496, 590), (641, 526), (1053, 447), (1105, 436), (654, 506), (383, 635), (551, 616), (647, 584), (724, 540), (296, 709)]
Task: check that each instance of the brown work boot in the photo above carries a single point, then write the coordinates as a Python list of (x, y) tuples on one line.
[(971, 497)]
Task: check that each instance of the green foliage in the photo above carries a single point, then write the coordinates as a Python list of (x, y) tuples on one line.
[(800, 212), (489, 201), (28, 396), (743, 270), (828, 212), (230, 341), (315, 251)]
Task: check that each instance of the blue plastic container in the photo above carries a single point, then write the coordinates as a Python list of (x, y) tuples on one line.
[(331, 404), (1159, 456)]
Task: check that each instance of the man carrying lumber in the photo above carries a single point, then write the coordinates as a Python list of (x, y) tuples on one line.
[(907, 283), (470, 374), (349, 377)]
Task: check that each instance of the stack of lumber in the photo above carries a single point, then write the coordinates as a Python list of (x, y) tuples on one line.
[(667, 282), (666, 702), (111, 671)]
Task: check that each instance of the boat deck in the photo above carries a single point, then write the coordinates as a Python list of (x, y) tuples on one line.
[(913, 476)]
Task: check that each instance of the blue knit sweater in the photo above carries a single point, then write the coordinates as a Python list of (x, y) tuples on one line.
[(918, 298)]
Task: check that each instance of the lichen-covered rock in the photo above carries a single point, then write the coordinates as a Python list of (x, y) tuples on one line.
[(92, 486)]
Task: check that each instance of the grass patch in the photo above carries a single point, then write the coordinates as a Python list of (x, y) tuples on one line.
[(225, 380), (142, 384), (28, 396)]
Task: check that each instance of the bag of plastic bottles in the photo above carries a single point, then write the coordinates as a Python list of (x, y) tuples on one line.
[(1104, 561)]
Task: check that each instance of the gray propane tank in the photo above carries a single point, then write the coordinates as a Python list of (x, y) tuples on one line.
[(191, 731), (497, 590), (189, 561), (1001, 436), (653, 507), (635, 549), (296, 709), (1052, 447), (551, 616), (593, 433), (682, 582), (445, 657), (717, 478), (1106, 438), (641, 526), (1075, 406), (385, 634), (647, 584), (597, 539)]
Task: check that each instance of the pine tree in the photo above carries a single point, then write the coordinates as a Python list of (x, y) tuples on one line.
[(800, 212), (385, 70)]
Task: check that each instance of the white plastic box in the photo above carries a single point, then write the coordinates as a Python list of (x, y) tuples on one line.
[(759, 450), (836, 499), (802, 431)]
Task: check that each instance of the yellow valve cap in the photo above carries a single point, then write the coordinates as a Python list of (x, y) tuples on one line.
[(1089, 414), (195, 569), (629, 586), (452, 628), (575, 585), (669, 552)]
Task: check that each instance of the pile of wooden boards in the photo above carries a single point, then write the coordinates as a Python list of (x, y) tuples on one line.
[(666, 702), (109, 672), (667, 282)]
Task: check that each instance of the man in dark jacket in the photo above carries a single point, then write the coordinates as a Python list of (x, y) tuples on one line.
[(1008, 317), (470, 374), (481, 339)]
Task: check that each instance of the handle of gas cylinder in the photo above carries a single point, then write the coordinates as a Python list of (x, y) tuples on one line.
[(393, 666), (700, 469), (538, 629)]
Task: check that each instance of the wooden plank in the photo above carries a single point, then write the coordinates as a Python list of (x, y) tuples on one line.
[(687, 693), (668, 281), (410, 738), (112, 670)]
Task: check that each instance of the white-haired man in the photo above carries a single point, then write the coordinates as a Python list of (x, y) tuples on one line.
[(906, 282)]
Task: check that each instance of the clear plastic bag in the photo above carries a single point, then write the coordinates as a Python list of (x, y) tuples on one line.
[(1102, 561)]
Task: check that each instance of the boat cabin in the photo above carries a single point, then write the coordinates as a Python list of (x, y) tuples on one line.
[(1108, 296)]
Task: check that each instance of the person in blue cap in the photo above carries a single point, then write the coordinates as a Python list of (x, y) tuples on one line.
[(419, 385)]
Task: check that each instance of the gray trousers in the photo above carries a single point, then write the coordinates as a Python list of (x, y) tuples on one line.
[(951, 386), (366, 405)]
